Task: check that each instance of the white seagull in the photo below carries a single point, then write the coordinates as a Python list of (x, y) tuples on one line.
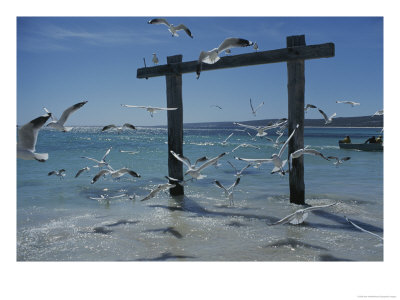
[(59, 124), (228, 191), (253, 111), (223, 143), (159, 188), (305, 150), (100, 163), (378, 113), (171, 28), (362, 229), (238, 173), (308, 106), (300, 215), (27, 137), (82, 170), (352, 103), (129, 152), (327, 120), (115, 173), (339, 160), (276, 159), (150, 109), (155, 59), (119, 128), (211, 57), (261, 129), (244, 146), (59, 173), (193, 171)]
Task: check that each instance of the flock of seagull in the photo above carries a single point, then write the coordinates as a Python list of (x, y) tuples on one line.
[(28, 133)]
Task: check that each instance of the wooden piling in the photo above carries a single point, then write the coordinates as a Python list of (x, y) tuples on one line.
[(175, 124), (296, 87)]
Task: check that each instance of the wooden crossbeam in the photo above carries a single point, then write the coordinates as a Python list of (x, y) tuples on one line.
[(241, 60)]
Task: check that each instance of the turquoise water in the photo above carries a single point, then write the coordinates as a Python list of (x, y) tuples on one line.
[(58, 221)]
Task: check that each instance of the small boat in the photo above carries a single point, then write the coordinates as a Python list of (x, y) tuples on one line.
[(362, 147)]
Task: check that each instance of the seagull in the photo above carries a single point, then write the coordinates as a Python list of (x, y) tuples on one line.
[(254, 110), (102, 162), (159, 188), (245, 146), (255, 46), (276, 159), (107, 197), (362, 229), (261, 129), (303, 151), (228, 191), (308, 106), (60, 173), (223, 143), (114, 173), (211, 57), (129, 152), (171, 28), (217, 106), (27, 137), (59, 124), (300, 215), (327, 120), (150, 109), (378, 113), (276, 142), (237, 172), (154, 59), (193, 171), (339, 161), (82, 170), (352, 103), (119, 129)]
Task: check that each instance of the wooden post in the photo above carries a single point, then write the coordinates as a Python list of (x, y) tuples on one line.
[(175, 124), (296, 85)]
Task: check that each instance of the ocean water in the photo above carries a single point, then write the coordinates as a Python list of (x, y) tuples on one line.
[(58, 221)]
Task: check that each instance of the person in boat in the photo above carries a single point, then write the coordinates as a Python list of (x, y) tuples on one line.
[(346, 140), (379, 140), (371, 140)]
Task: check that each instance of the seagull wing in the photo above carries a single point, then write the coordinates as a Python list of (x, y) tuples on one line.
[(108, 127), (210, 162), (255, 160), (126, 170), (159, 21), (92, 159), (79, 172), (345, 158), (220, 185), (246, 126), (287, 141), (201, 159), (330, 118), (163, 108), (65, 115), (318, 207), (134, 106), (362, 229), (27, 134), (286, 219), (182, 159), (233, 42), (127, 125), (52, 173), (323, 114), (183, 27), (51, 115), (241, 171), (234, 184), (107, 152), (258, 107), (252, 108), (98, 175), (152, 193), (236, 171), (228, 138)]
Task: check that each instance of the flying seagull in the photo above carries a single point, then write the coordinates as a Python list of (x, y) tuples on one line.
[(352, 103), (211, 57), (60, 173), (114, 173), (119, 129), (193, 171), (59, 124), (300, 215), (327, 120), (171, 28), (154, 59), (339, 160), (300, 152), (82, 170), (238, 173), (378, 113), (100, 163), (223, 143), (129, 152), (245, 146), (159, 188), (276, 142), (261, 129), (362, 229), (27, 137), (276, 159), (217, 106), (150, 109), (253, 111), (228, 191), (308, 106)]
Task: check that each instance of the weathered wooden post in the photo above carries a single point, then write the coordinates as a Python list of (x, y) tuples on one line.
[(175, 124), (296, 84)]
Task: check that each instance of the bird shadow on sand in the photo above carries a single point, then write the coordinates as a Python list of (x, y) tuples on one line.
[(293, 243), (166, 256), (170, 230)]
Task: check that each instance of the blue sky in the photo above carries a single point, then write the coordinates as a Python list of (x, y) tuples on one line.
[(64, 60)]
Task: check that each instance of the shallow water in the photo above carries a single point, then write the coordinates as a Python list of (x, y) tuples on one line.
[(57, 220)]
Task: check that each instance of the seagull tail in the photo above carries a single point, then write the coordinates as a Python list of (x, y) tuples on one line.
[(42, 157)]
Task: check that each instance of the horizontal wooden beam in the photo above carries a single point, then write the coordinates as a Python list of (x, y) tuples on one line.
[(241, 60)]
